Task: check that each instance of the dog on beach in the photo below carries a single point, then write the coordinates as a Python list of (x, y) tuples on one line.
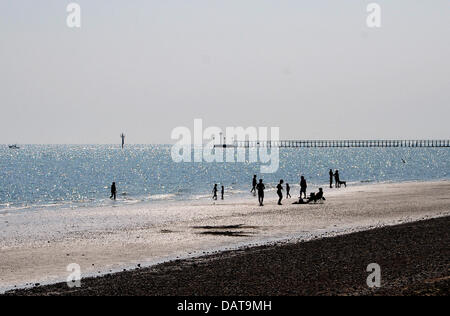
[(342, 183)]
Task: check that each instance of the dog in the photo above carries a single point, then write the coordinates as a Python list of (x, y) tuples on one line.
[(342, 183)]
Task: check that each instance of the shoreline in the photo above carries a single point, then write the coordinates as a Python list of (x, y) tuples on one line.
[(205, 242), (238, 196), (413, 257)]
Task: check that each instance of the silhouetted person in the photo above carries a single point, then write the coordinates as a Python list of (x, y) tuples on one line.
[(288, 190), (315, 197), (113, 191), (337, 179), (254, 183), (331, 178), (215, 192), (303, 186), (260, 187), (280, 191), (318, 196), (223, 191)]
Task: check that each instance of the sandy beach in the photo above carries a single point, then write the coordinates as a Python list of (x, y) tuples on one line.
[(106, 240), (413, 259)]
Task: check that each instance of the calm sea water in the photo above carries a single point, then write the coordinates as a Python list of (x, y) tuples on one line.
[(80, 176)]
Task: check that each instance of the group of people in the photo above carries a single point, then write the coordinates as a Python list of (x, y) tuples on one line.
[(337, 179), (259, 187), (215, 190)]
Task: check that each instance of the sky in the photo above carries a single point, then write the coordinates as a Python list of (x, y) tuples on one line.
[(144, 67)]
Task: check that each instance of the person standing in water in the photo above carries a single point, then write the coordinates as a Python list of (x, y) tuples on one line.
[(331, 178), (254, 183), (337, 179), (288, 190), (223, 191), (214, 191), (280, 192), (260, 187), (113, 191), (303, 186)]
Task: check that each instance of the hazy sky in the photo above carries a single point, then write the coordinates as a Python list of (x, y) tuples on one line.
[(144, 67)]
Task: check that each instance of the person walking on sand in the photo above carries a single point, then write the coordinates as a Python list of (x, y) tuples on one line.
[(254, 183), (331, 178), (303, 186), (337, 179), (223, 191), (215, 192), (288, 190), (113, 191), (280, 192), (260, 187)]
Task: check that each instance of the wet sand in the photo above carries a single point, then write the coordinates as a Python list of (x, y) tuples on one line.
[(37, 247), (414, 260)]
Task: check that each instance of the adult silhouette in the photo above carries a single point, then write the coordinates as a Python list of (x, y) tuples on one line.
[(254, 183), (113, 191), (337, 179), (331, 178), (215, 192), (280, 191), (303, 186), (260, 187)]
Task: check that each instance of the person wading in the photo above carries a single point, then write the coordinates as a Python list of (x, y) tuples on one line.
[(113, 191)]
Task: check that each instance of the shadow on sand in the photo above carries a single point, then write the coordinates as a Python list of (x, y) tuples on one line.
[(229, 231)]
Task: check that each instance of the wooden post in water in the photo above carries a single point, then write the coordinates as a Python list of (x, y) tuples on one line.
[(123, 140)]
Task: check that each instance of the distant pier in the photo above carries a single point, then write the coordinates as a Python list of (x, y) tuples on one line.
[(339, 144)]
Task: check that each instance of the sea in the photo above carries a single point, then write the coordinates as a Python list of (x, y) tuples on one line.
[(79, 176)]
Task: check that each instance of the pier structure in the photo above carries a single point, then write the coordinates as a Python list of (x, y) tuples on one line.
[(339, 144)]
